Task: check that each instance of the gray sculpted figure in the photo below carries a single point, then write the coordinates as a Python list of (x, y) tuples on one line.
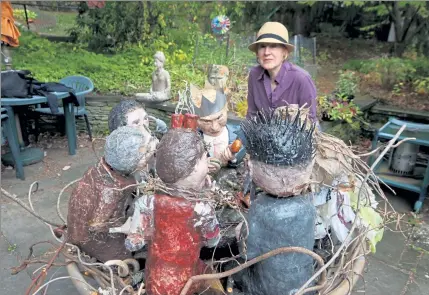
[(161, 82), (282, 214)]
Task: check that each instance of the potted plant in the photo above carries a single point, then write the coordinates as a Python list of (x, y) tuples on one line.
[(339, 108)]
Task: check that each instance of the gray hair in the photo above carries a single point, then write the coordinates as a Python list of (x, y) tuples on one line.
[(159, 55), (122, 149), (118, 114)]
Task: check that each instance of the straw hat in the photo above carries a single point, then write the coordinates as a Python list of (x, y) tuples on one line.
[(272, 32)]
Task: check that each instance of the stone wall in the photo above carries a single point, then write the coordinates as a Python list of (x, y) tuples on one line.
[(99, 107)]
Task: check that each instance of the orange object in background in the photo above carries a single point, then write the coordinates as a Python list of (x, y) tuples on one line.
[(9, 32)]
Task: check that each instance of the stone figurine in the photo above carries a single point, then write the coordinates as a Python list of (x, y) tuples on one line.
[(101, 198), (213, 112), (217, 77), (130, 112), (161, 83), (281, 214)]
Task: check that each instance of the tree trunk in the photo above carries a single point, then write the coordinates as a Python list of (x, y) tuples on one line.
[(399, 48)]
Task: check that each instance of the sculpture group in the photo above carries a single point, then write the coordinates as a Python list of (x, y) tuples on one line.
[(159, 199)]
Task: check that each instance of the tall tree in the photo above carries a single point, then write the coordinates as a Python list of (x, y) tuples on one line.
[(410, 19)]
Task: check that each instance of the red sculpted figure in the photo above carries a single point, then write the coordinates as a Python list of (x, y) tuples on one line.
[(182, 223), (101, 197)]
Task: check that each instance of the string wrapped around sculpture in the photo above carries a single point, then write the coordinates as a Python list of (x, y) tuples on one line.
[(218, 197)]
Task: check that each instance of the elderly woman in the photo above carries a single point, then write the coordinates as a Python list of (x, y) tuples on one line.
[(277, 82)]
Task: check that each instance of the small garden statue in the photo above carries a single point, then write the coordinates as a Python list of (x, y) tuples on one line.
[(161, 83), (104, 193), (217, 77), (129, 112), (176, 222), (212, 124), (282, 214)]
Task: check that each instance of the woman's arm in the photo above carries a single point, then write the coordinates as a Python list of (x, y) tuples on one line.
[(308, 95), (251, 106)]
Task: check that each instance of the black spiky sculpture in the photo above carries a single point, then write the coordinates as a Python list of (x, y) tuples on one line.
[(276, 138)]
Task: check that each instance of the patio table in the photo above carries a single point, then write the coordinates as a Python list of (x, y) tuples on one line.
[(10, 103)]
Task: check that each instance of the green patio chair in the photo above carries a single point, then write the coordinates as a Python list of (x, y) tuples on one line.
[(82, 86)]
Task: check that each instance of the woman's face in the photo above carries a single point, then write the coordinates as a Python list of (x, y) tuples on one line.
[(271, 55)]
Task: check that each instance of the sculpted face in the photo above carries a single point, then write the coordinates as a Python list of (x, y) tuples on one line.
[(271, 55), (279, 180), (148, 148), (158, 63), (218, 76), (137, 117), (196, 180), (213, 125)]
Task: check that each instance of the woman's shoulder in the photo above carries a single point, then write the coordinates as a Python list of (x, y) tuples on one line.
[(255, 71), (298, 71)]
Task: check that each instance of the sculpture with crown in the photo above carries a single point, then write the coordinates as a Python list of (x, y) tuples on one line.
[(225, 150)]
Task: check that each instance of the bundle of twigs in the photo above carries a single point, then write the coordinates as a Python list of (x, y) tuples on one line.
[(344, 266), (215, 196)]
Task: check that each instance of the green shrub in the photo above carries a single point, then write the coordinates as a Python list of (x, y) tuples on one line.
[(121, 73), (347, 83), (392, 71), (421, 65), (20, 14)]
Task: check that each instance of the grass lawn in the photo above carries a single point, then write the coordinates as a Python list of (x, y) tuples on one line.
[(64, 22)]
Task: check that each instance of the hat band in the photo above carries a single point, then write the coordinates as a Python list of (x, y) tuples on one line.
[(274, 36)]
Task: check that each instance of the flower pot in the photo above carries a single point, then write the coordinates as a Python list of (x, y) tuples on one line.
[(191, 121), (177, 120), (325, 117), (350, 97)]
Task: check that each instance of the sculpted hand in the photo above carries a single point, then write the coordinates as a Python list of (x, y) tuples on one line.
[(214, 165), (227, 155), (161, 127), (209, 182)]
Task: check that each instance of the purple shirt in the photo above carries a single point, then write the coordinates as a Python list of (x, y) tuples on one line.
[(294, 86)]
